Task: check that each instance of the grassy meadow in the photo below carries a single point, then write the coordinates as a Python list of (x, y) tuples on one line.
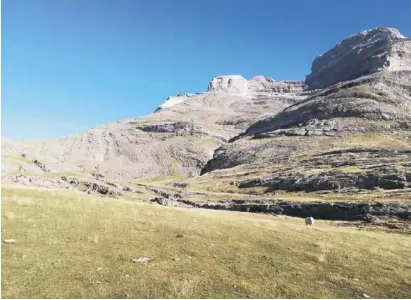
[(72, 245)]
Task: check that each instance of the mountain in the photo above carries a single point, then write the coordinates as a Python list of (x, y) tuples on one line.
[(176, 140), (346, 128), (353, 134)]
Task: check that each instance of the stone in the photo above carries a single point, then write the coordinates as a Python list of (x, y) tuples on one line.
[(141, 260), (41, 166), (371, 219), (366, 296), (9, 241), (179, 236)]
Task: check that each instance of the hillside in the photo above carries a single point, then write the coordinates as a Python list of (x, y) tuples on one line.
[(177, 140)]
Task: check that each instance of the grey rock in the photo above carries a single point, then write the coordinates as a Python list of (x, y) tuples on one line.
[(141, 260), (349, 211), (236, 84), (40, 165), (361, 54), (97, 175), (127, 189), (371, 219)]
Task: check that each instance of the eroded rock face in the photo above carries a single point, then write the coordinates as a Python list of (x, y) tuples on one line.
[(361, 54), (235, 84), (349, 211), (379, 96), (332, 180), (268, 84)]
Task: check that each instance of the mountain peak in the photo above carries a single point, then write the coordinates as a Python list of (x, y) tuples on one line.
[(360, 54), (387, 32)]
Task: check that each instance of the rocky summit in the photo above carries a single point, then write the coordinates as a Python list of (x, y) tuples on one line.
[(368, 52), (345, 130)]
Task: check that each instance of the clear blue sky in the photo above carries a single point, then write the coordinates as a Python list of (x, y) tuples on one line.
[(70, 65)]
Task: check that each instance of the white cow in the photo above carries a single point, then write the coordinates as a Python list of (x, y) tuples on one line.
[(309, 221)]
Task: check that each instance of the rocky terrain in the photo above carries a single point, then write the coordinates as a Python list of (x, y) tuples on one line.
[(161, 144), (346, 130), (351, 134)]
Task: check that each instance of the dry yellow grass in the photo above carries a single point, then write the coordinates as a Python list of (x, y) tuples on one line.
[(17, 158), (371, 140), (70, 245)]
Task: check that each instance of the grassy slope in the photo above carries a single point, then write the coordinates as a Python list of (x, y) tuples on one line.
[(17, 158), (62, 239)]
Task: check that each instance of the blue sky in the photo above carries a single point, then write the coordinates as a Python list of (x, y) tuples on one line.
[(70, 65)]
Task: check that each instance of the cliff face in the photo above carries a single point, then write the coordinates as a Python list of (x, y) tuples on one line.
[(235, 84), (361, 54)]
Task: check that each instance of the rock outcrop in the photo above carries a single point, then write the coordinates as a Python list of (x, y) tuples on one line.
[(381, 178), (234, 84), (361, 54), (380, 96), (345, 211)]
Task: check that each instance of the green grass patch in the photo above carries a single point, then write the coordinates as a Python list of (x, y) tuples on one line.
[(371, 140), (17, 158)]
